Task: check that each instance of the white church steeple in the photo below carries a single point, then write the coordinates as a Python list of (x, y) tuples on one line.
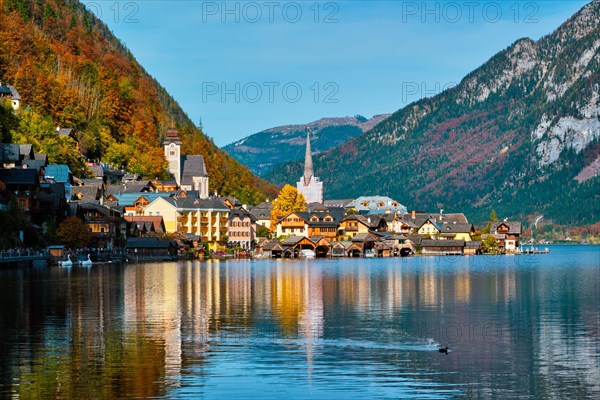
[(309, 185)]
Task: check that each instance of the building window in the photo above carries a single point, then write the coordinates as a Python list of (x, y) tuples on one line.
[(172, 153)]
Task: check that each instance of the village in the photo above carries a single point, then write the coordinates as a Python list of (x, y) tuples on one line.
[(157, 220)]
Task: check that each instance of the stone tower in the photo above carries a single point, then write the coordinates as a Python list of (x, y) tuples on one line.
[(172, 146)]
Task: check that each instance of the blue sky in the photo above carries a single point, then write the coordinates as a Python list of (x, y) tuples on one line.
[(245, 66)]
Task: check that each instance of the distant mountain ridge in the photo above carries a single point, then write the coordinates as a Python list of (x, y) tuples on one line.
[(512, 135), (263, 150)]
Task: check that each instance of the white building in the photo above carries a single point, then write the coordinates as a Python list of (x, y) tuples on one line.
[(309, 185), (189, 171), (10, 92), (376, 205)]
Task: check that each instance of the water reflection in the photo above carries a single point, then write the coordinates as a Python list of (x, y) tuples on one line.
[(516, 326)]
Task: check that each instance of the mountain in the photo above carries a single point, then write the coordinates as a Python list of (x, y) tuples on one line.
[(263, 150), (520, 134), (72, 72)]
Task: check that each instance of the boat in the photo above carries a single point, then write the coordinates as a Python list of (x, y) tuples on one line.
[(67, 263), (370, 253), (307, 253), (86, 263)]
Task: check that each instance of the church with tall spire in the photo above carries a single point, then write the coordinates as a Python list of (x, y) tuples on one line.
[(309, 185)]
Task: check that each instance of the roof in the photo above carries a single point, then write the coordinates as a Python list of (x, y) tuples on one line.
[(106, 211), (268, 244), (40, 156), (370, 221), (59, 172), (474, 244), (514, 228), (456, 228), (131, 177), (172, 136), (442, 243), (192, 166), (10, 152), (420, 218), (19, 176), (233, 200), (265, 205), (241, 214), (212, 203), (337, 203), (336, 214), (292, 240), (128, 199), (35, 164), (343, 243), (260, 214), (97, 170), (10, 90), (14, 93), (391, 235), (376, 204), (364, 237), (26, 150), (155, 221), (317, 207), (147, 243), (64, 131), (416, 239), (88, 193)]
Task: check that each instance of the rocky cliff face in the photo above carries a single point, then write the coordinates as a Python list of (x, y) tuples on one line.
[(520, 134)]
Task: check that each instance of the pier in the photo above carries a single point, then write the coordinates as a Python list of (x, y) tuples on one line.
[(23, 257)]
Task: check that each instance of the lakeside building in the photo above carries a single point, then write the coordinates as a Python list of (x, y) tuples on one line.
[(241, 230), (206, 218), (507, 234)]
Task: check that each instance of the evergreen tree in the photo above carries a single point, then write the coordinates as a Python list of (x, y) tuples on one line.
[(493, 218)]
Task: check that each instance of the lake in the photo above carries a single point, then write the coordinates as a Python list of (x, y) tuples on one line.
[(517, 326)]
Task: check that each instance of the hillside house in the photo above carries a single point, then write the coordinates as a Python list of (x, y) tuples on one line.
[(10, 93)]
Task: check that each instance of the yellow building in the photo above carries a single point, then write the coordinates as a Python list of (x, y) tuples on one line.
[(453, 231), (206, 218)]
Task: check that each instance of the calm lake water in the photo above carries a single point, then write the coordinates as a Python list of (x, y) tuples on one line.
[(517, 326)]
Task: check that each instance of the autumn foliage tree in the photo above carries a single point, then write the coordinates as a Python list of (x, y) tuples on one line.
[(288, 200), (73, 232), (74, 73)]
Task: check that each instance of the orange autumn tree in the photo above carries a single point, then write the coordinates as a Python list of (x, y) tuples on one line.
[(69, 67), (288, 200)]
